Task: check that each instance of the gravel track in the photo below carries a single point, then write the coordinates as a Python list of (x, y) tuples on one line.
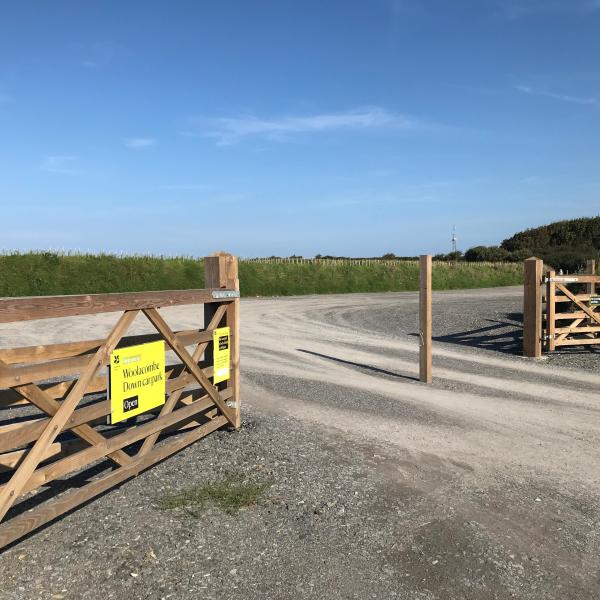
[(484, 485)]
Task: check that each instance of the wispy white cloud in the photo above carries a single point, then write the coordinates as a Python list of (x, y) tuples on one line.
[(230, 130), (526, 89), (62, 164), (140, 142)]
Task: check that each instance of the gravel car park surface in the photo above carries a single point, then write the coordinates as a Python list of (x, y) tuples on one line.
[(484, 485)]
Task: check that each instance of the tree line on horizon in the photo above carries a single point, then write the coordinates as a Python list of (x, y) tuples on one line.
[(563, 245), (566, 245)]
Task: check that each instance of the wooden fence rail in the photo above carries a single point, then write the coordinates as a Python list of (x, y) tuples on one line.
[(55, 398)]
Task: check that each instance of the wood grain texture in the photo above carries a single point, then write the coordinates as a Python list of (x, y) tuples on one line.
[(45, 307), (13, 376), (9, 461), (160, 324), (575, 329), (28, 521), (19, 434), (532, 308), (84, 432), (13, 488), (131, 435), (425, 321), (576, 314), (583, 324), (222, 270), (589, 312), (578, 342), (591, 270), (29, 450), (174, 397), (48, 352)]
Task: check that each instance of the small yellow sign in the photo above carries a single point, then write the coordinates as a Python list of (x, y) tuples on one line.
[(221, 354), (137, 380)]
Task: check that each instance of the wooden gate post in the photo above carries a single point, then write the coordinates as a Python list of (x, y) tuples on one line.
[(532, 308), (591, 269), (221, 271), (425, 318)]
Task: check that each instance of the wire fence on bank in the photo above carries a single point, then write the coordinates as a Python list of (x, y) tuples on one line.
[(360, 261)]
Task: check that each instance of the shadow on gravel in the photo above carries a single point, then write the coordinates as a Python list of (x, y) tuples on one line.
[(359, 365), (500, 336)]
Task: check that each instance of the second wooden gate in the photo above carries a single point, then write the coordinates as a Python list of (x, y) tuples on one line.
[(572, 316), (559, 310)]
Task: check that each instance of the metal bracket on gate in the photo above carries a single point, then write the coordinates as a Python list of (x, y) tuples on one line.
[(561, 279), (218, 294)]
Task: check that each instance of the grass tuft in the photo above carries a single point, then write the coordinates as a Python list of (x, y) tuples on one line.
[(230, 495)]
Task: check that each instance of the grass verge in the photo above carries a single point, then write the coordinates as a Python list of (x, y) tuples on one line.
[(46, 273), (230, 495)]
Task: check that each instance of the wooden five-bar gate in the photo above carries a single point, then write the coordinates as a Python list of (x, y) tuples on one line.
[(54, 399), (559, 310)]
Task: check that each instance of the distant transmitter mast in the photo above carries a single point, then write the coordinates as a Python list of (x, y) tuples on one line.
[(454, 238)]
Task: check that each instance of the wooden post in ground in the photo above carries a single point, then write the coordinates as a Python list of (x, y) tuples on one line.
[(591, 270), (532, 308), (425, 318), (221, 271), (551, 311)]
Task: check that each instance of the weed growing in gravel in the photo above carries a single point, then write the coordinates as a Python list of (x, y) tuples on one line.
[(229, 495)]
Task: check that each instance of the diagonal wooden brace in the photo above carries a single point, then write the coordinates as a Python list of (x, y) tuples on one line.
[(573, 325), (162, 327), (586, 309), (171, 402), (21, 476), (50, 406)]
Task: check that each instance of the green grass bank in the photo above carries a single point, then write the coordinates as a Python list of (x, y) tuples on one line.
[(40, 274)]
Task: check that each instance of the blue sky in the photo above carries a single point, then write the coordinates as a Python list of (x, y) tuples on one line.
[(280, 127)]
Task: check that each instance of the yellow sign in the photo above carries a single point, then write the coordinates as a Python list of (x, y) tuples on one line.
[(221, 354), (137, 380)]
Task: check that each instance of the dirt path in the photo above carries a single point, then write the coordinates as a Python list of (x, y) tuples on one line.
[(517, 441), (482, 405), (484, 485)]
